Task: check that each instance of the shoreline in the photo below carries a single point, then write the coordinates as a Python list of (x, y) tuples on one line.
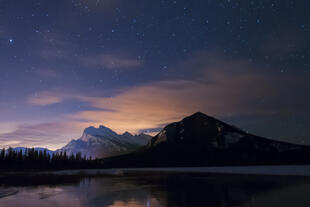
[(281, 170)]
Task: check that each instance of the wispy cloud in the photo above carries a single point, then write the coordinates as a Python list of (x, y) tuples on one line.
[(3, 32), (54, 47), (218, 87), (103, 5), (53, 135), (283, 44), (4, 36), (108, 61), (45, 72), (44, 98)]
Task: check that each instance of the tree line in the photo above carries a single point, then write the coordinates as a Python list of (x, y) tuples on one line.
[(42, 159)]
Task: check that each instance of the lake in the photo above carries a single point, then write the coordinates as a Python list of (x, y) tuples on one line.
[(156, 190)]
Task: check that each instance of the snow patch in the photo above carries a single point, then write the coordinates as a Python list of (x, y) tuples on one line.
[(232, 137), (219, 127), (281, 147)]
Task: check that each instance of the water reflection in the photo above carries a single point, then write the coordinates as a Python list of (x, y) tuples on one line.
[(181, 190)]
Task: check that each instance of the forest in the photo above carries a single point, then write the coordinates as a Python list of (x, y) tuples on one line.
[(32, 159)]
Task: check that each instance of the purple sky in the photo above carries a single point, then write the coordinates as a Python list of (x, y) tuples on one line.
[(140, 64)]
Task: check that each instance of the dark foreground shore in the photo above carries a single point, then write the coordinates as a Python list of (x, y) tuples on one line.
[(69, 176)]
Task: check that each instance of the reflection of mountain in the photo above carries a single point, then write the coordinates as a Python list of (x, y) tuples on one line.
[(185, 190), (201, 140), (103, 142), (167, 190), (198, 190)]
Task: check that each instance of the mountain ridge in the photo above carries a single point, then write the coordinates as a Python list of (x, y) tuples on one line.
[(103, 142), (201, 140)]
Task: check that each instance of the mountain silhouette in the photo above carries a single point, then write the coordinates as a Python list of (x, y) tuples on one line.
[(201, 140)]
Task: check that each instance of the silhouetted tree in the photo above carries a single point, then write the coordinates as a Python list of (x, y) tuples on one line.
[(11, 159)]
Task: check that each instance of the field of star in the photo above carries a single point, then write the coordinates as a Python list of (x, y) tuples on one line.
[(140, 64)]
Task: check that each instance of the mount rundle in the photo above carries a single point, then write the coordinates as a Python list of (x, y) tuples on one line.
[(103, 142)]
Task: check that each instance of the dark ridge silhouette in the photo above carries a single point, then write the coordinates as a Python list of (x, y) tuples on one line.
[(201, 140)]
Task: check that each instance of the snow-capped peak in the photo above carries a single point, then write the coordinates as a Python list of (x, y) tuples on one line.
[(103, 142), (127, 134), (101, 131)]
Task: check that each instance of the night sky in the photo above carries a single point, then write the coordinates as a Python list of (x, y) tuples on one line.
[(136, 65)]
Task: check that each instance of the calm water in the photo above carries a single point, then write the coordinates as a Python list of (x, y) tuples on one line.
[(174, 190)]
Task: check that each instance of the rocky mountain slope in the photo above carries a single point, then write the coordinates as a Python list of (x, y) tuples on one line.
[(103, 142)]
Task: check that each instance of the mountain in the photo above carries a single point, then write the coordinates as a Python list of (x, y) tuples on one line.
[(201, 140), (103, 142)]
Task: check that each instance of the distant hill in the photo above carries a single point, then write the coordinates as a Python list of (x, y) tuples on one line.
[(103, 142), (201, 140)]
